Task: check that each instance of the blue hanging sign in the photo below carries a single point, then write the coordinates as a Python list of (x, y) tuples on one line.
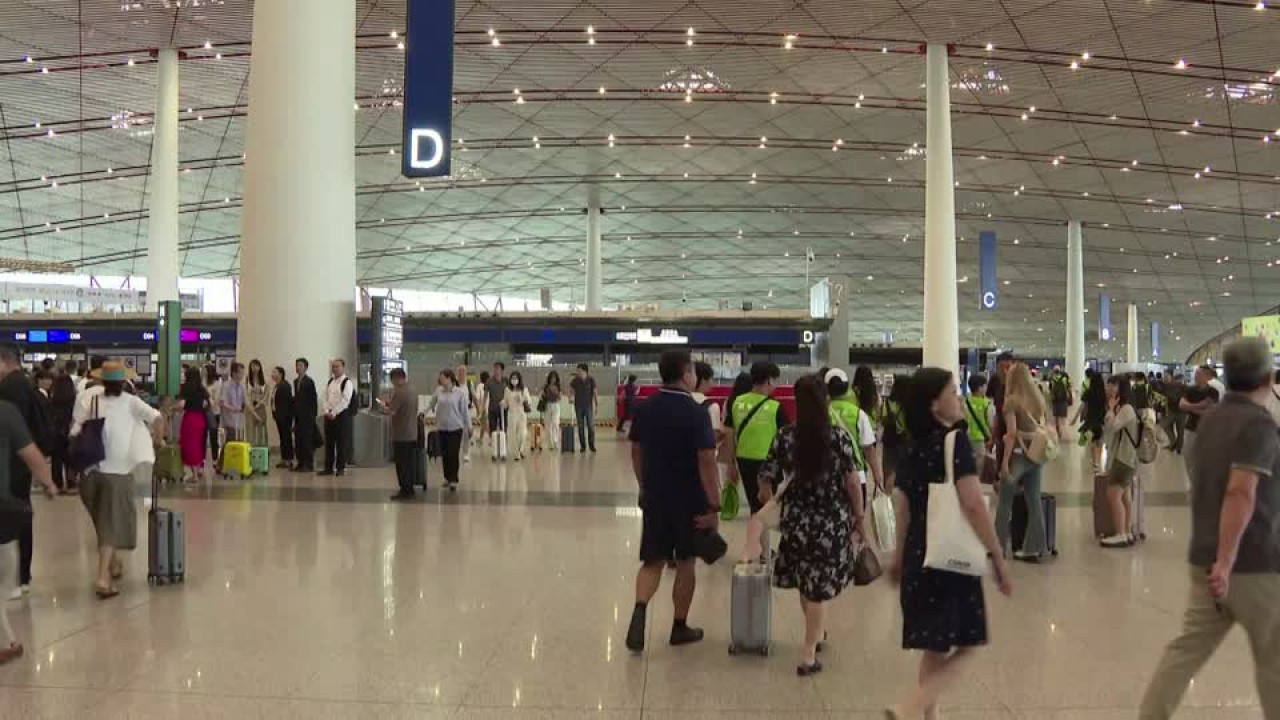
[(1155, 340), (989, 293), (1104, 317), (428, 88)]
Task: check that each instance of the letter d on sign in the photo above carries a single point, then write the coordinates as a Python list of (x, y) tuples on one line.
[(428, 89)]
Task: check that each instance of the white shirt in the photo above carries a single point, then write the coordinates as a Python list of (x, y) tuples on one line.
[(1222, 389), (80, 383), (866, 439), (337, 395), (713, 410), (125, 416)]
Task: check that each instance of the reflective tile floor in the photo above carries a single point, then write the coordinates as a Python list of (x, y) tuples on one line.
[(314, 598)]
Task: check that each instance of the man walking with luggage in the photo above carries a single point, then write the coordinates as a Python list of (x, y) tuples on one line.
[(755, 418), (673, 453), (403, 409), (582, 390), (338, 397), (1235, 557)]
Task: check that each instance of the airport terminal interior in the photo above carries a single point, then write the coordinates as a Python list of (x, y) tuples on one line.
[(410, 186)]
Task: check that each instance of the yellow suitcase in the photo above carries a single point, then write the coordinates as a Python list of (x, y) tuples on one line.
[(235, 459)]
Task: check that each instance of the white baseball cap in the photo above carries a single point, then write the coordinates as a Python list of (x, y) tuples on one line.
[(836, 373)]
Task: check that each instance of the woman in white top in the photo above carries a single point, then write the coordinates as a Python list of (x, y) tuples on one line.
[(1120, 433), (213, 386), (107, 489), (516, 401)]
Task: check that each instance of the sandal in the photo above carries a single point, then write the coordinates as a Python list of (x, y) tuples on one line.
[(13, 652), (105, 593), (812, 668)]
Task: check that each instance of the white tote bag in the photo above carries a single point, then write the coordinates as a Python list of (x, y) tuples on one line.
[(884, 521), (951, 544)]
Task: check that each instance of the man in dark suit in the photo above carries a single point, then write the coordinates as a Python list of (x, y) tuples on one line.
[(306, 405)]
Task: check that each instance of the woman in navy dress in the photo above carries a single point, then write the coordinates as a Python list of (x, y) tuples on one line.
[(943, 613)]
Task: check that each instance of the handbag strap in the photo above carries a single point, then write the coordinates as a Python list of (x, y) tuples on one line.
[(742, 426), (949, 456)]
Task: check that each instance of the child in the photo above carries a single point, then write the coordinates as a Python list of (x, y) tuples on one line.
[(980, 414)]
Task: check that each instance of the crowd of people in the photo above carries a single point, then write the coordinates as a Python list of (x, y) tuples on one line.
[(926, 433)]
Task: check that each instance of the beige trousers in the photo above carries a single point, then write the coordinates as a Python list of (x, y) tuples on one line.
[(1253, 602)]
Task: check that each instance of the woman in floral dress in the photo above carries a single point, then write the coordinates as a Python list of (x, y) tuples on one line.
[(821, 511)]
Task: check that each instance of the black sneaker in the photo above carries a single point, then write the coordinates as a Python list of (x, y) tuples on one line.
[(325, 473), (402, 496), (635, 632), (684, 635)]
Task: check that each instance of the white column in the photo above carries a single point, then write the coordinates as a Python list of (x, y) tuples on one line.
[(595, 252), (1075, 302), (298, 248), (1132, 329), (162, 225), (838, 338), (941, 319)]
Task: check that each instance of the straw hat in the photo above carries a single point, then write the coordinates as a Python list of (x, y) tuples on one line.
[(113, 371)]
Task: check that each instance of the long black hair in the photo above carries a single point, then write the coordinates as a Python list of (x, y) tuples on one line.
[(1095, 397), (864, 388), (256, 378), (741, 386), (1124, 391), (923, 388), (812, 454), (553, 378)]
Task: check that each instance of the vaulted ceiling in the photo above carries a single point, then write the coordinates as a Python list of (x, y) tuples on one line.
[(1152, 121)]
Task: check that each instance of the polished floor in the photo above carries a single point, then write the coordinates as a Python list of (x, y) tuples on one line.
[(313, 597)]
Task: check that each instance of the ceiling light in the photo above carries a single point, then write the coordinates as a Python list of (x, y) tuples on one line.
[(1075, 65), (1024, 116), (1262, 5), (1181, 64), (130, 62), (1195, 123), (773, 98), (209, 45), (399, 46), (28, 59), (1085, 55), (496, 42), (601, 90), (44, 70), (990, 47)]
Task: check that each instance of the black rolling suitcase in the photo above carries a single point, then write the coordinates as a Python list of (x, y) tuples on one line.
[(422, 454), (1018, 525)]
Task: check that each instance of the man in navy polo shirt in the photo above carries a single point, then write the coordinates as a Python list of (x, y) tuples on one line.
[(673, 453)]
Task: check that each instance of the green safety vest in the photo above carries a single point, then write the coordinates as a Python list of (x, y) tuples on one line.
[(846, 413), (975, 409), (755, 439)]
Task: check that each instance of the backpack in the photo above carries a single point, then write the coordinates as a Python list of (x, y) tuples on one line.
[(1058, 390), (353, 407), (1041, 445), (1145, 444)]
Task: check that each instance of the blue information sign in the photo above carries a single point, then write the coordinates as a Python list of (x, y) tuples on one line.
[(1155, 340), (428, 88), (1104, 317), (989, 292)]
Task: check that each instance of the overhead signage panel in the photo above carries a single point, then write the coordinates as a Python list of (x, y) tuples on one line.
[(989, 293), (428, 89), (1104, 317)]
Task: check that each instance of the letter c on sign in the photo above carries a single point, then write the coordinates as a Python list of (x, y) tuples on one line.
[(437, 149), (988, 300)]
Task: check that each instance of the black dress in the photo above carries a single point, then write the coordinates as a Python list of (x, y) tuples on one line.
[(940, 610), (815, 554)]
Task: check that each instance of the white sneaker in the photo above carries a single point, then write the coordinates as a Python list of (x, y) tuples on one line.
[(1115, 541), (19, 592)]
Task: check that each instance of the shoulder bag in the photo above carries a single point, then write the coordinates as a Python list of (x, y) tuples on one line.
[(15, 514), (1040, 445), (87, 448), (951, 543)]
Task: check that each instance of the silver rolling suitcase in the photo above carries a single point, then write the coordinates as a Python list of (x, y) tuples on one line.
[(751, 609), (166, 542)]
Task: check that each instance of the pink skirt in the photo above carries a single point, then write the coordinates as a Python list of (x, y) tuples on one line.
[(191, 438)]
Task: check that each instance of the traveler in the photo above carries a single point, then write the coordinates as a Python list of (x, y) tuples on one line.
[(16, 448), (1197, 401), (464, 381), (1023, 413), (1174, 418), (980, 415), (673, 455), (628, 402), (943, 613), (1141, 393), (81, 380), (338, 408), (705, 379), (865, 391), (232, 404), (893, 428), (1092, 416), (256, 400), (550, 402), (62, 405), (107, 490), (495, 391), (16, 388), (1234, 557), (516, 403), (403, 409), (821, 507), (213, 386), (755, 418), (193, 401), (848, 415), (1120, 432), (1060, 395), (582, 391), (481, 400), (282, 411), (305, 410), (451, 403)]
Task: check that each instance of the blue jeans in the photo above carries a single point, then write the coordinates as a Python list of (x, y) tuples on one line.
[(1024, 473), (586, 428)]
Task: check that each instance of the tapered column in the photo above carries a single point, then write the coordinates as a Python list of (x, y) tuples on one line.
[(1131, 356), (595, 252), (941, 320), (298, 249), (838, 339), (1075, 301), (162, 224)]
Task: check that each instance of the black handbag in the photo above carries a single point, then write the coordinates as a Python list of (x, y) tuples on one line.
[(15, 515), (708, 546), (87, 448)]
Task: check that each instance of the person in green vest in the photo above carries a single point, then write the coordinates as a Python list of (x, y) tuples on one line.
[(1060, 399), (980, 415), (846, 413), (755, 418)]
